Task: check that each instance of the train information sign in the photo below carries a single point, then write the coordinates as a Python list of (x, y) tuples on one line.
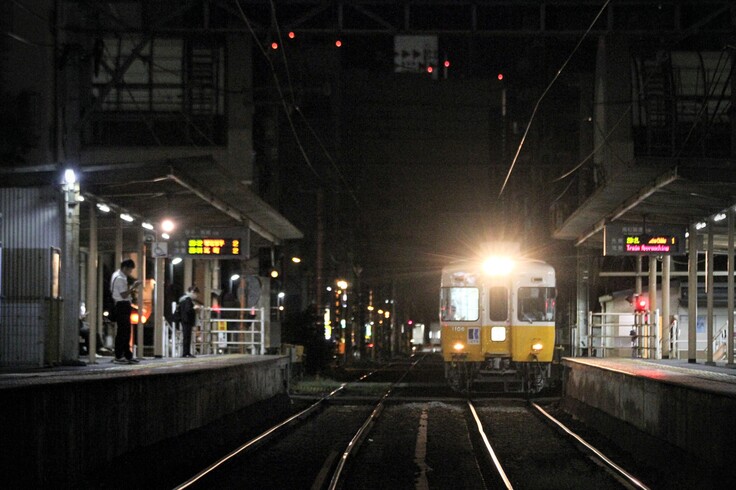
[(211, 244), (633, 239)]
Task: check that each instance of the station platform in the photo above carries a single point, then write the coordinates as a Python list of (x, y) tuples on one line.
[(59, 424), (655, 404)]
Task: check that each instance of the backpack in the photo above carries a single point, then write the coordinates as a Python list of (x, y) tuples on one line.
[(177, 313)]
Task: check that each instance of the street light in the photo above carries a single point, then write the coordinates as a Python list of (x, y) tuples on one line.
[(342, 284)]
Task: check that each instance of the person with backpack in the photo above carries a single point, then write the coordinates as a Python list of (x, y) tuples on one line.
[(186, 311)]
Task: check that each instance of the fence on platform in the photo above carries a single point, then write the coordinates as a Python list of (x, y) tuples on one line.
[(623, 335)]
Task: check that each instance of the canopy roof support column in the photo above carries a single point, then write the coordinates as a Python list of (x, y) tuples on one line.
[(709, 296), (729, 333), (692, 296)]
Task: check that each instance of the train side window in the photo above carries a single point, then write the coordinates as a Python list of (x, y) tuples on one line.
[(499, 304), (459, 304)]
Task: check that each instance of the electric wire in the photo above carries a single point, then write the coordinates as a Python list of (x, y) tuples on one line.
[(307, 161), (544, 93), (329, 157)]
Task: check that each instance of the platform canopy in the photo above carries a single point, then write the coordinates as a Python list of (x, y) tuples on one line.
[(195, 193), (655, 192)]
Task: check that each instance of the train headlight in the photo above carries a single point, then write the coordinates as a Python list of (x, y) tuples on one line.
[(498, 266), (459, 346), (537, 346), (498, 334)]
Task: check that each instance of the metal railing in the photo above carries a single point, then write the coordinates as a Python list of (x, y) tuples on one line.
[(231, 330), (624, 335), (719, 346)]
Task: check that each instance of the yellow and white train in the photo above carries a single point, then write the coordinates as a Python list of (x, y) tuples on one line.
[(498, 324)]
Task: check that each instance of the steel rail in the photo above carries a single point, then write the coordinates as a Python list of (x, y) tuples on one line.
[(355, 442), (253, 443), (631, 479), (490, 450), (259, 439)]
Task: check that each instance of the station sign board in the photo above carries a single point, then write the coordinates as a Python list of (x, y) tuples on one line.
[(639, 239), (212, 243)]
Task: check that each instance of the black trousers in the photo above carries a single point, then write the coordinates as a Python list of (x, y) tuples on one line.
[(122, 337), (186, 338)]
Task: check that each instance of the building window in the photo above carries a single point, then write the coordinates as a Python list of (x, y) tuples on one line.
[(171, 92)]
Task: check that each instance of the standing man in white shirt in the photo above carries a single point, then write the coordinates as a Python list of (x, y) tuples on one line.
[(121, 294)]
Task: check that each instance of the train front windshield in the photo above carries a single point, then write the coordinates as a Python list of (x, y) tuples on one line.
[(536, 304), (459, 304)]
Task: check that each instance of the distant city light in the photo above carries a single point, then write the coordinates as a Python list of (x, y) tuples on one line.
[(296, 260)]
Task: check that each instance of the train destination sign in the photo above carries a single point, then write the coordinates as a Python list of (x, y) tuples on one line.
[(632, 239)]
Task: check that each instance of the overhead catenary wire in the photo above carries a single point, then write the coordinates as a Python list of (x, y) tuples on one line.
[(307, 161), (544, 93), (329, 157)]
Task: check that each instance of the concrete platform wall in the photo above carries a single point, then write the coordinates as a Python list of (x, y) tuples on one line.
[(53, 434), (701, 423)]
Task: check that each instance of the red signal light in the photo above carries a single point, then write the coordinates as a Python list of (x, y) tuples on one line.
[(446, 64), (292, 35), (430, 69), (640, 304), (500, 76), (338, 43), (274, 45)]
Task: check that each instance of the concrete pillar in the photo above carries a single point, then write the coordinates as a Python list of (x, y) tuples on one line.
[(188, 273), (582, 302), (692, 297), (665, 323), (158, 307), (729, 332), (652, 328), (141, 247), (709, 296), (93, 310)]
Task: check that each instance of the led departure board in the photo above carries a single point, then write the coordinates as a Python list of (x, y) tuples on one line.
[(632, 239), (213, 246), (211, 243)]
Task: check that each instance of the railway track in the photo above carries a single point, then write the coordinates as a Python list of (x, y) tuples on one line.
[(414, 442), (529, 448)]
